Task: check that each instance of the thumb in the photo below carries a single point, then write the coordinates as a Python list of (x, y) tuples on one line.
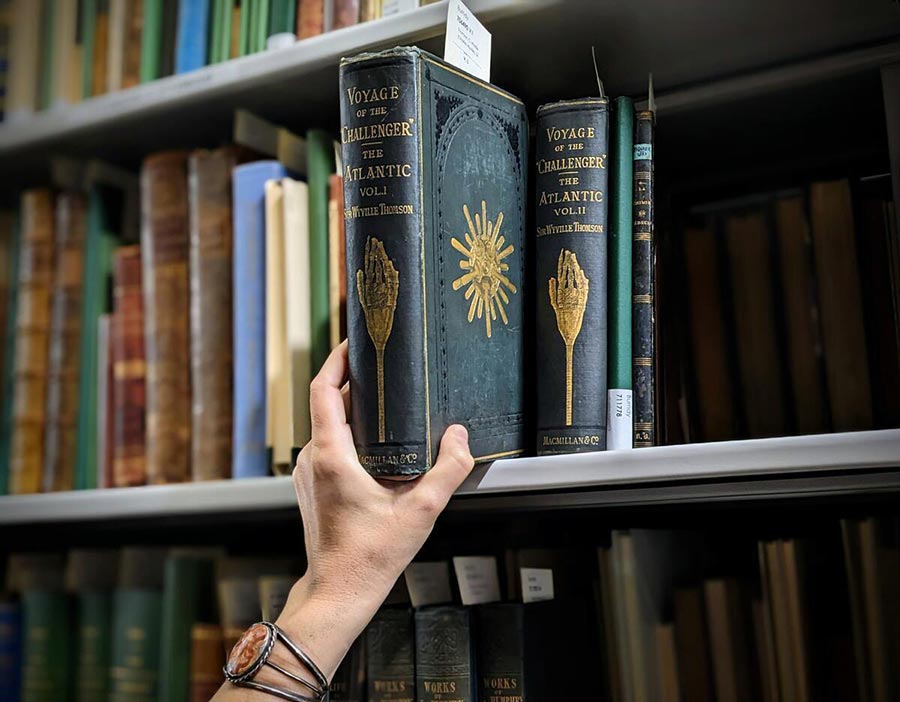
[(453, 464)]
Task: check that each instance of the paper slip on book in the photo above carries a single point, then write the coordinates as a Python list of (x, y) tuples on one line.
[(434, 167)]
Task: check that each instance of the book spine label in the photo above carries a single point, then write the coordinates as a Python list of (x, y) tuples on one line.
[(643, 265), (129, 370), (380, 116), (211, 312), (93, 650), (31, 344), (390, 657), (165, 251), (570, 262), (65, 338), (444, 667)]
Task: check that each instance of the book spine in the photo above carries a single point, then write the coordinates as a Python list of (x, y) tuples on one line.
[(45, 75), (570, 261), (46, 647), (620, 429), (207, 661), (100, 54), (135, 651), (211, 312), (390, 656), (190, 49), (500, 647), (115, 57), (444, 672), (320, 150), (346, 13), (169, 34), (94, 610), (151, 40), (23, 60), (103, 473), (385, 244), (310, 18), (282, 17), (134, 32), (8, 367), (36, 259), (643, 265), (65, 337), (129, 370), (349, 681), (10, 651), (165, 252)]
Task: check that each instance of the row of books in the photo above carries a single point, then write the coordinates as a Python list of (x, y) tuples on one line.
[(59, 52), (793, 301), (176, 382), (654, 614)]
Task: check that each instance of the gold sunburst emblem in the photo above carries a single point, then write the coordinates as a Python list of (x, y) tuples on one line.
[(486, 272)]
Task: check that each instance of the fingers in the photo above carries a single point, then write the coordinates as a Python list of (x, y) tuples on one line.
[(454, 463), (326, 404)]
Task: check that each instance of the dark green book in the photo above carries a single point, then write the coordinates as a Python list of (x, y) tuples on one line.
[(137, 627), (188, 598), (282, 16), (320, 165), (247, 9), (445, 655), (619, 429), (169, 37), (46, 646), (435, 165), (391, 656), (261, 25), (571, 195), (9, 341), (151, 40), (87, 20)]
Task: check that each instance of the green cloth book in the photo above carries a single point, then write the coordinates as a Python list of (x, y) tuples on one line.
[(104, 207), (262, 25), (87, 20), (151, 40), (320, 165), (282, 16), (215, 32), (46, 646), (227, 17), (188, 598), (619, 407), (247, 11), (137, 624), (94, 616), (9, 341)]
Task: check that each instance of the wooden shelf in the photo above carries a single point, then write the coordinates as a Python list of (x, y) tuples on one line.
[(829, 463)]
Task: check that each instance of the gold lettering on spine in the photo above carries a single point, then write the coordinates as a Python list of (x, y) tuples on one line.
[(377, 285), (486, 271), (568, 296)]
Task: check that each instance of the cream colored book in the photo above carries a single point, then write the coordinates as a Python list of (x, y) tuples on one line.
[(22, 91), (299, 313), (115, 63), (279, 429)]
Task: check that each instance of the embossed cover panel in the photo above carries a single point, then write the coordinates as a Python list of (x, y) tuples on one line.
[(475, 258)]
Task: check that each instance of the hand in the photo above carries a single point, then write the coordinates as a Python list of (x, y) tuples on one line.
[(360, 533)]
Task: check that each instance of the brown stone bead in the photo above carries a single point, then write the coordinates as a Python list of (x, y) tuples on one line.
[(247, 650)]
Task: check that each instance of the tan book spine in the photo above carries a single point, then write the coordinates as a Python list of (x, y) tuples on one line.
[(65, 343), (101, 50), (668, 663), (36, 262), (211, 317), (207, 660), (165, 276), (115, 55), (134, 28), (235, 31), (129, 370), (310, 18)]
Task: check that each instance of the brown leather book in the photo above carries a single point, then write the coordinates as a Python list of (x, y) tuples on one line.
[(26, 459), (101, 49), (801, 316), (165, 244), (129, 370), (310, 18), (840, 300), (692, 646), (134, 28), (346, 13), (211, 327), (207, 660), (65, 343)]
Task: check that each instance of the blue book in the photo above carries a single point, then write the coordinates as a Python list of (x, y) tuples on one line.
[(249, 183), (193, 35), (10, 651)]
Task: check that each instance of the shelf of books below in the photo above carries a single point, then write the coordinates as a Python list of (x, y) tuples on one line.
[(833, 463)]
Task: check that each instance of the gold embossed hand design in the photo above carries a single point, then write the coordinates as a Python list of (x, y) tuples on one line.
[(568, 297), (377, 284)]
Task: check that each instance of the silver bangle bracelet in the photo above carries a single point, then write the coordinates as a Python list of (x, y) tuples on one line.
[(252, 652)]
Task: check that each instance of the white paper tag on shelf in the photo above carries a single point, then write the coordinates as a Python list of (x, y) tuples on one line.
[(619, 427), (537, 584), (395, 7), (428, 583), (468, 43), (477, 578)]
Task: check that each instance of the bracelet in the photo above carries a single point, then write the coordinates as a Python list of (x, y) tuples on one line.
[(252, 652)]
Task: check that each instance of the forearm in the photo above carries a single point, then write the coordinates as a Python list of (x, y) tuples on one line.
[(323, 624)]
